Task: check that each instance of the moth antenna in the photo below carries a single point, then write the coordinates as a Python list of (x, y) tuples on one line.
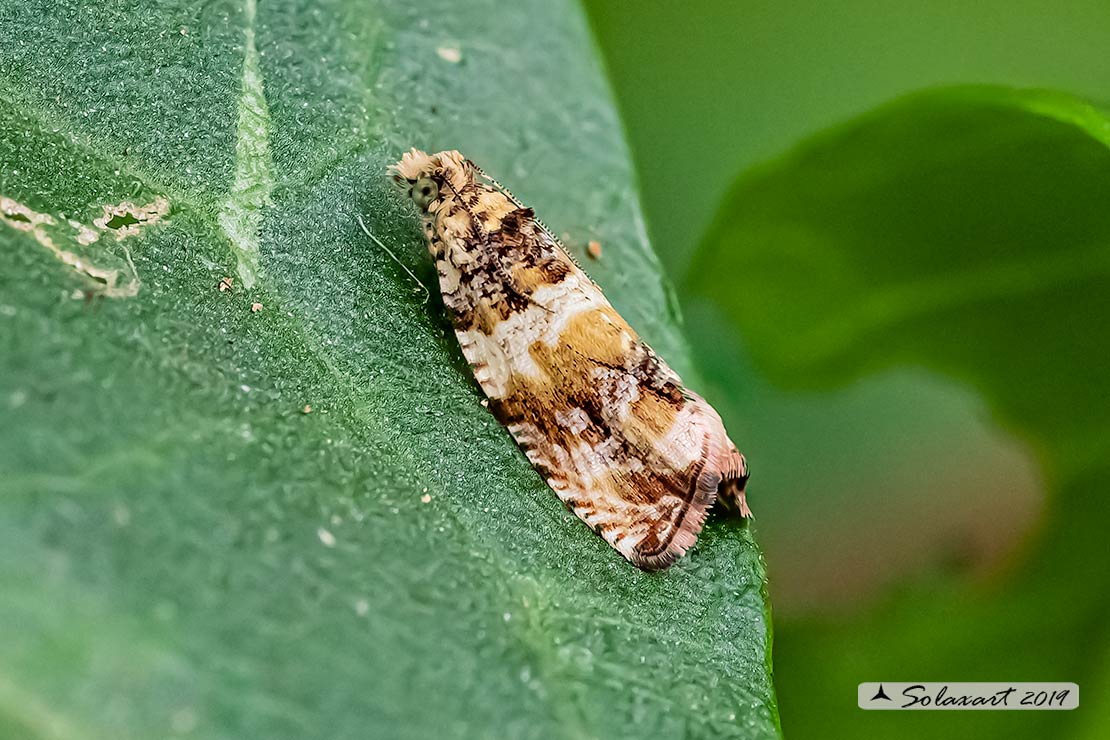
[(376, 240), (497, 185)]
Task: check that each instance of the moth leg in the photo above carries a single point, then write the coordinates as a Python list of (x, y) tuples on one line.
[(734, 479)]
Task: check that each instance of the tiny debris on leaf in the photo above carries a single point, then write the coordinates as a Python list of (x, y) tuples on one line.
[(449, 54), (183, 721), (326, 537), (594, 249), (226, 284), (122, 515), (256, 307), (426, 498), (307, 409)]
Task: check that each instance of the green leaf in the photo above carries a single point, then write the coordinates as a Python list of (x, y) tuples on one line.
[(744, 80), (966, 231), (296, 519)]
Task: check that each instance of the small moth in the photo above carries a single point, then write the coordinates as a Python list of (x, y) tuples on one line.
[(612, 429)]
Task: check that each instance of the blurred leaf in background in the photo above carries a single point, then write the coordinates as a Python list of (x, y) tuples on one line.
[(901, 493), (248, 488), (708, 89), (964, 231)]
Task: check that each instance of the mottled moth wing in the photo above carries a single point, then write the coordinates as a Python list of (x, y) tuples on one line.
[(610, 426)]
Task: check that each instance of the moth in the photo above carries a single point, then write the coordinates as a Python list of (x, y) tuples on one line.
[(623, 443)]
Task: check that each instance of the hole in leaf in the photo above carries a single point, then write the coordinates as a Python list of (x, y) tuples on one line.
[(121, 220)]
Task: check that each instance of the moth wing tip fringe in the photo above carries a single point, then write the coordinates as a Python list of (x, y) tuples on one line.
[(724, 479)]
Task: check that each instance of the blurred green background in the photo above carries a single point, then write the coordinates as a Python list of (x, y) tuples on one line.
[(903, 323), (707, 89)]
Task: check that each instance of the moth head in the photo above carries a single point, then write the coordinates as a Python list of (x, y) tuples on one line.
[(429, 178)]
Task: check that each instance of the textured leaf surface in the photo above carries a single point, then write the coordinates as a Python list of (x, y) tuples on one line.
[(298, 520), (965, 231)]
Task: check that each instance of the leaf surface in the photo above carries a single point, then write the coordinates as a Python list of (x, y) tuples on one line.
[(249, 489)]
